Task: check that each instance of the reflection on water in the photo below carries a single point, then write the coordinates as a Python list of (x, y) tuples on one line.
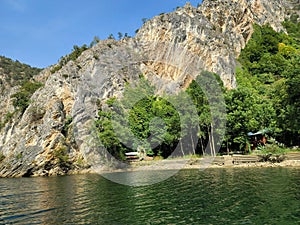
[(140, 178), (213, 196)]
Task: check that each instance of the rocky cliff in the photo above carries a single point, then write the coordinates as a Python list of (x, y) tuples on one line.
[(55, 132)]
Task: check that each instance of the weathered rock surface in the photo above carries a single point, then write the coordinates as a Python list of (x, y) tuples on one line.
[(55, 133)]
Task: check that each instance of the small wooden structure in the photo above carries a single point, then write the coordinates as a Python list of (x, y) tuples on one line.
[(132, 156), (240, 159), (257, 139), (140, 154)]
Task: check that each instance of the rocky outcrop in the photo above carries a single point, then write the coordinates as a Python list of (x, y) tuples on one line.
[(55, 133), (214, 33), (234, 19)]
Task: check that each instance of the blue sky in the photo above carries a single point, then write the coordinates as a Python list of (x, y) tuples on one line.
[(39, 32)]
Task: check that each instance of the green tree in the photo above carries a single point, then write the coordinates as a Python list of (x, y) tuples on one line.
[(269, 72), (111, 37), (120, 35), (246, 112), (95, 41), (21, 99), (139, 118), (144, 20)]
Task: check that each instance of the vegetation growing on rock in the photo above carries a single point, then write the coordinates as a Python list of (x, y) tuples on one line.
[(16, 72)]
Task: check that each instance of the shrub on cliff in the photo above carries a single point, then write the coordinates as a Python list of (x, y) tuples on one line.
[(21, 99)]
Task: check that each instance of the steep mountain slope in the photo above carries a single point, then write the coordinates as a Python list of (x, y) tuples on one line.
[(12, 74), (54, 133)]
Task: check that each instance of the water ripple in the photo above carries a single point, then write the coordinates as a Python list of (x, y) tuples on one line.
[(214, 196)]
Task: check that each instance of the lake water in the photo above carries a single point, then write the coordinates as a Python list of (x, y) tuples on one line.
[(213, 196)]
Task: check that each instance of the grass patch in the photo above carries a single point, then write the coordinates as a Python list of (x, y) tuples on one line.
[(274, 149), (19, 156), (61, 154)]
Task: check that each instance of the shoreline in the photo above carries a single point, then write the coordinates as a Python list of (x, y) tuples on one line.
[(179, 164), (197, 164)]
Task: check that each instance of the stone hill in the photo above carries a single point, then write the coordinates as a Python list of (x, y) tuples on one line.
[(54, 132)]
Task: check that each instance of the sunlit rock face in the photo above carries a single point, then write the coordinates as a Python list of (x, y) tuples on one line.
[(214, 33)]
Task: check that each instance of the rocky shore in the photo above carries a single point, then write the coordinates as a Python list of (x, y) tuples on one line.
[(199, 163), (220, 162)]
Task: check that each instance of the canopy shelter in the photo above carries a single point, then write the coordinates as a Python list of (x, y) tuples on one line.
[(261, 132), (258, 139)]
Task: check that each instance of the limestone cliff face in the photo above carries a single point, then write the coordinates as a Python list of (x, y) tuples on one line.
[(234, 19), (215, 33), (195, 37), (55, 133)]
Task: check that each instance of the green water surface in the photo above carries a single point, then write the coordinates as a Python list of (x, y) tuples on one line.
[(213, 196)]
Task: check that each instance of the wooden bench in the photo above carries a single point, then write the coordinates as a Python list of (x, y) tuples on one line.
[(293, 156), (218, 160), (238, 159), (132, 156)]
